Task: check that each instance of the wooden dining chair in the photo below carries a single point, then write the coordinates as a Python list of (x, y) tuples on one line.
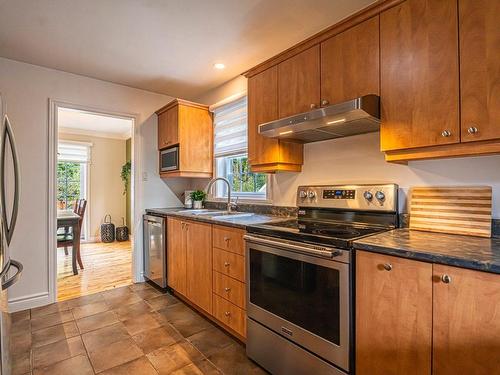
[(66, 239)]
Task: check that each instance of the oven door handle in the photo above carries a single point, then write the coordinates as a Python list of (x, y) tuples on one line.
[(325, 252)]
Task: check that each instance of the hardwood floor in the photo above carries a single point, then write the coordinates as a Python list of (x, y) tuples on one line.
[(107, 266)]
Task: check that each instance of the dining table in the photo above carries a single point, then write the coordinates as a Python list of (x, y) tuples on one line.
[(65, 219)]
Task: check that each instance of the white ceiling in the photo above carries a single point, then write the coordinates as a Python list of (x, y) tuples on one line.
[(166, 46), (73, 121)]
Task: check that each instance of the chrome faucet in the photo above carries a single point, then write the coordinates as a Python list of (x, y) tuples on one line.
[(230, 205)]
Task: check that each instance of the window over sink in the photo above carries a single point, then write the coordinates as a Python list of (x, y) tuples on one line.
[(231, 154)]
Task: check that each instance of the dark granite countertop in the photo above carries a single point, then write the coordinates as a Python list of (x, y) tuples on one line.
[(240, 220), (475, 253)]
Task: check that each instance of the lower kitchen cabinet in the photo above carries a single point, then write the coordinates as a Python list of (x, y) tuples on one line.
[(415, 317), (206, 267), (393, 315), (231, 315), (189, 259), (199, 264), (466, 321), (176, 256)]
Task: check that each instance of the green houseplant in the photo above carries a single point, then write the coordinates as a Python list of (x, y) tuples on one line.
[(125, 175), (198, 196)]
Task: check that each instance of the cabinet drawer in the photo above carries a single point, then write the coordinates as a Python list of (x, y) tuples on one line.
[(231, 315), (229, 239), (230, 289), (229, 264)]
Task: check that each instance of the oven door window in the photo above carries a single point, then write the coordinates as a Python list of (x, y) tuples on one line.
[(305, 294), (169, 159)]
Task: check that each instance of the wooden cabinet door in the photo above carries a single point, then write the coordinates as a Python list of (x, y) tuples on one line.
[(466, 322), (419, 74), (168, 128), (350, 63), (176, 255), (199, 264), (268, 154), (479, 32), (393, 315), (262, 108), (299, 82)]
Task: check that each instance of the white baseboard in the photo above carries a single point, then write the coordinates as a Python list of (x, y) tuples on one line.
[(29, 302)]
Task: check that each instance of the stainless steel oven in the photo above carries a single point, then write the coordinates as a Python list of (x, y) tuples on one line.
[(169, 159), (298, 293)]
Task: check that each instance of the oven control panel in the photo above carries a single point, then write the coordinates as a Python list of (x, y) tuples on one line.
[(339, 194), (383, 197)]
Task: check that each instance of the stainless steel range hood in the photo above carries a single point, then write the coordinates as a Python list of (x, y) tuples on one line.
[(357, 116)]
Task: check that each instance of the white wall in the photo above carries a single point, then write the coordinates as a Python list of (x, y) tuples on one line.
[(358, 160), (105, 183), (26, 90)]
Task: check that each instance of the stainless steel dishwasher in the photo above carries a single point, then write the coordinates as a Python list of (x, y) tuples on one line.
[(155, 250)]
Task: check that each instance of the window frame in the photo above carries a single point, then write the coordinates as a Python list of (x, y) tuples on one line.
[(253, 198), (87, 176)]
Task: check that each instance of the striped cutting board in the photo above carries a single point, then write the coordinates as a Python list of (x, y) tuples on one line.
[(452, 209)]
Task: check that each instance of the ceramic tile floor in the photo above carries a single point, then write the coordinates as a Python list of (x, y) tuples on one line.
[(129, 330)]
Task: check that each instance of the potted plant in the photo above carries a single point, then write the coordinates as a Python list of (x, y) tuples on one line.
[(125, 175), (198, 196)]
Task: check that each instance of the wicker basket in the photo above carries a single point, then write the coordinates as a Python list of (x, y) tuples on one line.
[(107, 230), (122, 232)]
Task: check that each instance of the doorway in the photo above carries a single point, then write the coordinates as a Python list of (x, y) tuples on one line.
[(92, 183)]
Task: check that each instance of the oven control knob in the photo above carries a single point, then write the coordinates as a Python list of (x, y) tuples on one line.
[(302, 194), (380, 195), (368, 195), (311, 194)]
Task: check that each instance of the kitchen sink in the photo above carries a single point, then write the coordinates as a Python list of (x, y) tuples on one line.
[(231, 215)]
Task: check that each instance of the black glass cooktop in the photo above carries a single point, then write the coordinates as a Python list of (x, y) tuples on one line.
[(322, 232)]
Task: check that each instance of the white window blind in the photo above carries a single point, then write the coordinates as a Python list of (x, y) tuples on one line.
[(230, 128), (73, 152)]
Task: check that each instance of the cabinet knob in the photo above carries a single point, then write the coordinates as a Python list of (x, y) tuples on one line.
[(446, 279), (387, 266), (226, 264), (313, 106), (227, 289), (445, 133), (226, 239), (227, 313), (324, 102), (472, 130)]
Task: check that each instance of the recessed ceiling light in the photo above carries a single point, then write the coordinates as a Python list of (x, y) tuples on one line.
[(219, 66)]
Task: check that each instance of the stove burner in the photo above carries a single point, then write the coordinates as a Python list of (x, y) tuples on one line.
[(335, 232)]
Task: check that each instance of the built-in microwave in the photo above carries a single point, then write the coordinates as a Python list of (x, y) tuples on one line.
[(169, 159)]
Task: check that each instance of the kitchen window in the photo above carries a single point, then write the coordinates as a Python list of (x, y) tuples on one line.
[(231, 154)]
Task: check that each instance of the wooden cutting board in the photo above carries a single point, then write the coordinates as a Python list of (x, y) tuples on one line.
[(452, 209)]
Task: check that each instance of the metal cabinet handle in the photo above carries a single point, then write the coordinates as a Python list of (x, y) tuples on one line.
[(445, 133), (313, 106), (446, 279), (12, 280), (8, 136), (182, 225), (387, 266), (324, 102), (227, 239), (472, 130), (227, 313), (227, 289), (226, 264)]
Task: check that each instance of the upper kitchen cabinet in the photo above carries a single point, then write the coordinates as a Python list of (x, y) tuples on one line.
[(185, 128), (419, 74), (299, 83), (268, 154), (350, 63), (479, 34)]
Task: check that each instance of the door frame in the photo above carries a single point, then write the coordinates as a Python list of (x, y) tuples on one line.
[(54, 105)]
